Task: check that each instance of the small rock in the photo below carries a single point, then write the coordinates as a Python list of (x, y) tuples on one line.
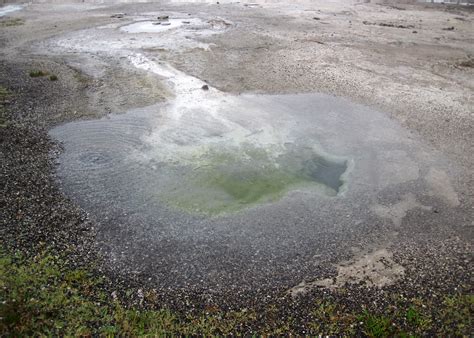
[(118, 15), (316, 18), (186, 22), (163, 17), (449, 28), (166, 23), (156, 23), (414, 32), (205, 87)]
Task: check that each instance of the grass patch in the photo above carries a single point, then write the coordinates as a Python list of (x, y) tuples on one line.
[(38, 73), (11, 22), (412, 316), (417, 319), (330, 318), (457, 314), (375, 325), (42, 295), (53, 78)]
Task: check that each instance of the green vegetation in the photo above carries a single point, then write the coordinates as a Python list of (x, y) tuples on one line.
[(43, 295), (412, 316), (41, 73), (374, 325), (331, 318), (416, 318), (38, 73), (11, 22), (39, 295), (457, 313)]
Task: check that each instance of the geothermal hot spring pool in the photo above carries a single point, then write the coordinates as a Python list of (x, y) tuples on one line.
[(216, 191), (189, 191), (218, 158), (204, 152)]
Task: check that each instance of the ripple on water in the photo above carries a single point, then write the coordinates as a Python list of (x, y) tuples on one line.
[(249, 179), (113, 158)]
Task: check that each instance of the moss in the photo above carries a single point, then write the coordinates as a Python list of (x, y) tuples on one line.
[(38, 73), (53, 78)]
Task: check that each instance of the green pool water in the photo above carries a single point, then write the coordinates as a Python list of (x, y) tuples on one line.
[(229, 179)]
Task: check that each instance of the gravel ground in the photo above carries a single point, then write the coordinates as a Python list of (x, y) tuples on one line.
[(35, 213), (429, 92)]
